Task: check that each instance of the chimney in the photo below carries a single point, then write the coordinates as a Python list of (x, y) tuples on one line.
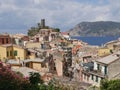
[(42, 23)]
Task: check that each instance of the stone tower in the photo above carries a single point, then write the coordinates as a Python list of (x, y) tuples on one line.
[(42, 23)]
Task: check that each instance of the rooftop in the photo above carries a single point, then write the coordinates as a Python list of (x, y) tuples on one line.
[(4, 34), (25, 71), (12, 61), (35, 60), (64, 33), (18, 35), (32, 50), (118, 43), (6, 45), (9, 45), (109, 59)]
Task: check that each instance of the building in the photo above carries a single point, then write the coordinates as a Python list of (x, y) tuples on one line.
[(62, 61), (116, 46), (42, 23), (68, 55), (33, 45), (15, 64), (10, 51), (20, 39), (106, 67), (58, 63), (5, 39), (103, 51), (36, 64), (43, 35), (66, 35)]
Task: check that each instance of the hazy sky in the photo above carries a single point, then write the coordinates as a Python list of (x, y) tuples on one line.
[(17, 16)]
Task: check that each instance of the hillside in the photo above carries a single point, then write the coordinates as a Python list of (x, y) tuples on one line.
[(99, 28)]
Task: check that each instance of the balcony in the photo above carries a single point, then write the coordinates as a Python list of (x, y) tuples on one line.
[(97, 73)]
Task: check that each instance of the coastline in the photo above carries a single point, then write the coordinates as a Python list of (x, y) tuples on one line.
[(96, 40)]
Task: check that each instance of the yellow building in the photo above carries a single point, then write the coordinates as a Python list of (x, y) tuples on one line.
[(37, 64), (10, 51), (33, 45), (103, 52)]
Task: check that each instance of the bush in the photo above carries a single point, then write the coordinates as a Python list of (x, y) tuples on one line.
[(10, 80)]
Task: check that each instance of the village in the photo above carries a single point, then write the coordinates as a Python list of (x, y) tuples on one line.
[(55, 54)]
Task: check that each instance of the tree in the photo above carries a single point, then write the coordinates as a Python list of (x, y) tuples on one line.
[(35, 81), (111, 51), (57, 29), (33, 31), (35, 78), (104, 84), (110, 85)]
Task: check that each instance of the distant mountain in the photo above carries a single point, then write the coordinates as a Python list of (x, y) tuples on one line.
[(99, 28)]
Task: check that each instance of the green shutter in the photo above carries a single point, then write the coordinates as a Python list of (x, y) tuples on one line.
[(15, 53), (105, 70), (98, 66), (7, 54), (92, 77), (96, 78)]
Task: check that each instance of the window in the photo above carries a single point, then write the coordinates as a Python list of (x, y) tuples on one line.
[(105, 70), (96, 78), (87, 78), (3, 41), (98, 66), (15, 53), (27, 65), (6, 40), (43, 65), (37, 39), (54, 67), (29, 53), (102, 78), (10, 53), (84, 76), (92, 77), (7, 54)]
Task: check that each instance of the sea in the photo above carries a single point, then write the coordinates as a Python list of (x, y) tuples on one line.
[(99, 41)]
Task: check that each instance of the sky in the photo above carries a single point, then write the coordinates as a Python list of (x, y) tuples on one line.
[(17, 16)]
